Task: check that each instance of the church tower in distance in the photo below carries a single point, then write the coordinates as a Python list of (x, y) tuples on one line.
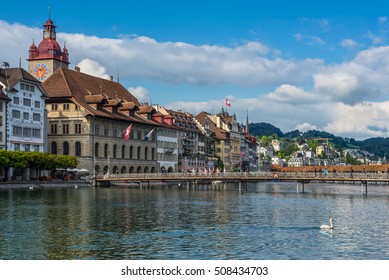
[(45, 59)]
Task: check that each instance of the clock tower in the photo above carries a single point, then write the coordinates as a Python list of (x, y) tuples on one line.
[(45, 59)]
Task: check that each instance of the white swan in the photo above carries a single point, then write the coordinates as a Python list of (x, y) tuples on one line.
[(32, 187), (330, 226), (75, 186)]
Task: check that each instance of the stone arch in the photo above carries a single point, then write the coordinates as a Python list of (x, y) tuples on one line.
[(132, 170), (123, 170), (139, 170), (146, 170), (97, 168)]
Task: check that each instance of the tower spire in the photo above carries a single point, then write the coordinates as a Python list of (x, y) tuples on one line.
[(247, 121), (49, 9)]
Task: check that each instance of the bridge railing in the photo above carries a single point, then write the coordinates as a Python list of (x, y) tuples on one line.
[(261, 174)]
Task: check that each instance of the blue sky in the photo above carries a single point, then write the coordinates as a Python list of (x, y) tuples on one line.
[(295, 64)]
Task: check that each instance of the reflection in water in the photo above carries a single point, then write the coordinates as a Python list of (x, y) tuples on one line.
[(268, 221)]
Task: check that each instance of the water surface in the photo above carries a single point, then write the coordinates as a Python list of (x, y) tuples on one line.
[(266, 221)]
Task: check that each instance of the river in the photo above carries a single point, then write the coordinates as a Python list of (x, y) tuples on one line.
[(267, 221)]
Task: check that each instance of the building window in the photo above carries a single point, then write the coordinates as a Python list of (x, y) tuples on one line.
[(77, 128), (138, 153), (66, 107), (114, 150), (16, 100), (36, 117), (115, 132), (26, 116), (15, 114), (131, 152), (54, 129), (66, 148), (36, 133), (36, 148), (146, 152), (26, 132), (123, 151), (65, 128), (54, 148), (139, 134), (17, 147), (26, 148), (27, 87), (78, 149), (1, 121), (96, 149), (153, 153), (27, 102), (97, 129), (1, 107), (106, 150), (54, 107), (37, 104), (17, 131), (106, 130)]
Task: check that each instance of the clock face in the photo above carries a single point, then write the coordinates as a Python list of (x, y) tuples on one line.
[(46, 34), (41, 71), (52, 35)]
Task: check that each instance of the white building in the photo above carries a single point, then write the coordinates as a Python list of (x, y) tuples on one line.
[(26, 114), (167, 141), (3, 117)]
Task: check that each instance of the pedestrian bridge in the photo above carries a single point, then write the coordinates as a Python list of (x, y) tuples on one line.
[(242, 178)]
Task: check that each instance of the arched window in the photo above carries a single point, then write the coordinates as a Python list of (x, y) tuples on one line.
[(131, 152), (66, 148), (78, 149), (54, 148), (106, 150), (123, 151), (153, 153), (96, 149), (138, 154), (115, 147), (146, 152)]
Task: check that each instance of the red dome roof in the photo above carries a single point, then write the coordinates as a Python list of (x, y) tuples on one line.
[(49, 49)]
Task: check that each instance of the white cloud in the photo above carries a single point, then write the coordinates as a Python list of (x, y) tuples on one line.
[(93, 68), (305, 127), (382, 20), (348, 99), (348, 43), (141, 93), (177, 62)]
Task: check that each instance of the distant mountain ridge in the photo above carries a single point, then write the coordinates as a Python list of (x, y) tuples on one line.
[(378, 146)]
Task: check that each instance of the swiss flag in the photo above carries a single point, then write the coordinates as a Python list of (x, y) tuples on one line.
[(127, 132), (228, 102)]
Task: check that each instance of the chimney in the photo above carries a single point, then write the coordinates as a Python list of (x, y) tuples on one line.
[(77, 69), (111, 78)]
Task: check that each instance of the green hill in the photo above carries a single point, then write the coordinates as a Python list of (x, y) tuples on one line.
[(378, 146)]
